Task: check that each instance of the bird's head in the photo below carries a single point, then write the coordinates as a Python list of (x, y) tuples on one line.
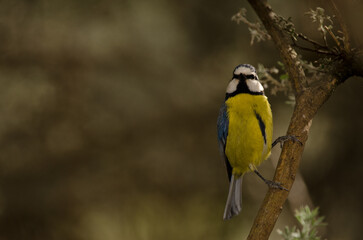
[(245, 80)]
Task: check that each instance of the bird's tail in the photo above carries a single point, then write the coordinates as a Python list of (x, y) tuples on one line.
[(234, 200)]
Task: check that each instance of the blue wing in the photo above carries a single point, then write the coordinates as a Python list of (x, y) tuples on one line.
[(222, 129)]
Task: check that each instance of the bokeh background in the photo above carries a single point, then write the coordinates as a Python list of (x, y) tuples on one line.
[(108, 122)]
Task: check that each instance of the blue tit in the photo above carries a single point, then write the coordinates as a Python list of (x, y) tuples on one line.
[(244, 131)]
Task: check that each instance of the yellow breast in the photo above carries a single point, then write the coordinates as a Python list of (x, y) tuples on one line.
[(245, 142)]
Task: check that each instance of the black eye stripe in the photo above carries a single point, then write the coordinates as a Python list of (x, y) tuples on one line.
[(250, 76), (245, 76)]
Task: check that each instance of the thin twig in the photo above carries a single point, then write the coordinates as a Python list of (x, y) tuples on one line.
[(315, 50), (302, 36), (343, 26), (333, 36), (256, 29), (324, 37)]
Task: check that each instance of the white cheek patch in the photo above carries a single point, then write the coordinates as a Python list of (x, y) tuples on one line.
[(232, 86), (254, 85), (244, 71)]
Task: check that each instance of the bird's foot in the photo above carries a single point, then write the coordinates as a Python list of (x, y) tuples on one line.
[(270, 183), (283, 139), (276, 185)]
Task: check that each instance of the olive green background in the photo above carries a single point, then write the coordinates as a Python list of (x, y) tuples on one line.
[(108, 121)]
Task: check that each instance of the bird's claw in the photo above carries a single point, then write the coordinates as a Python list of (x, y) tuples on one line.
[(276, 185), (283, 139)]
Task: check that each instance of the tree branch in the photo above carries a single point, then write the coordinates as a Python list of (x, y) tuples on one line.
[(287, 53), (308, 102)]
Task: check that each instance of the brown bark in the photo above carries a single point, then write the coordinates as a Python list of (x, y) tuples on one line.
[(308, 101)]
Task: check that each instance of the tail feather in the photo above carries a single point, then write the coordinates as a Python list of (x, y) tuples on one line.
[(234, 200)]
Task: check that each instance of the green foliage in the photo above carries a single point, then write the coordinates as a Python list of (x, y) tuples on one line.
[(309, 221), (272, 79), (276, 81)]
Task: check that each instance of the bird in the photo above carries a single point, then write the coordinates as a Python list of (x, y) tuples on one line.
[(244, 129)]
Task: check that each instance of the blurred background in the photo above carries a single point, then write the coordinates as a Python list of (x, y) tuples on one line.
[(108, 122)]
